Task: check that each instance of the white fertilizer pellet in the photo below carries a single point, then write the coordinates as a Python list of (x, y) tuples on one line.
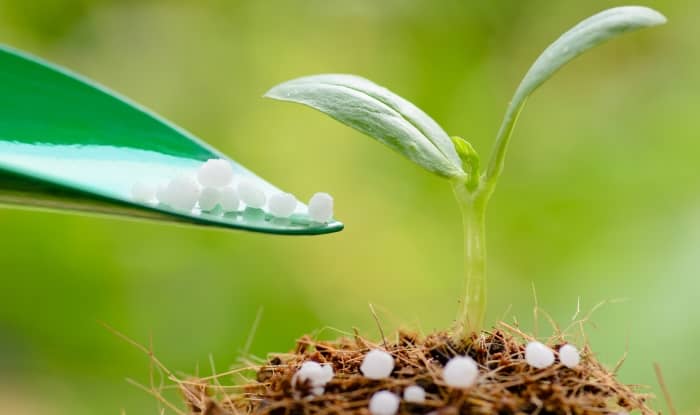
[(315, 374), (384, 403), (228, 199), (414, 394), (162, 194), (327, 373), (282, 205), (143, 192), (538, 355), (309, 371), (251, 193), (377, 364), (569, 356), (215, 173), (321, 207), (209, 198), (183, 192), (460, 372)]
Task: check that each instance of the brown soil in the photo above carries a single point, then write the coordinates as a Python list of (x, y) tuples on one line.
[(507, 384)]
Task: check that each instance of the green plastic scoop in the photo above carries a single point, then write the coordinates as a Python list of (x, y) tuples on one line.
[(68, 143)]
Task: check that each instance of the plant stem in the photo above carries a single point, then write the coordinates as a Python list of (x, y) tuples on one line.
[(470, 318), (472, 197)]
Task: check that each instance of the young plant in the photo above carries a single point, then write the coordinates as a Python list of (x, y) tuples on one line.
[(392, 120)]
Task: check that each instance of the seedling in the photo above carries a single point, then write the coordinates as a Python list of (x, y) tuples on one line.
[(394, 121)]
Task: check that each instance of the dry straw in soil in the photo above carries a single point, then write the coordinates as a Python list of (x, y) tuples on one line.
[(506, 385)]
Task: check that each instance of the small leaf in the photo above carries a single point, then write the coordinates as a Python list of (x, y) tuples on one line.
[(469, 156), (589, 33), (378, 113), (470, 161)]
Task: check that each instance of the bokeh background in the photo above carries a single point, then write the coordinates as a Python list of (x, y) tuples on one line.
[(599, 199)]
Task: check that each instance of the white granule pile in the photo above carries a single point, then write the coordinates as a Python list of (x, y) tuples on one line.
[(460, 372), (251, 194), (384, 403), (538, 355), (228, 199), (215, 173), (143, 192), (377, 364), (414, 394), (282, 205), (321, 207), (569, 356), (316, 374), (213, 185), (209, 198)]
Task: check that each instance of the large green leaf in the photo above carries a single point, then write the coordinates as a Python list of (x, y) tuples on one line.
[(68, 143), (587, 34), (378, 113)]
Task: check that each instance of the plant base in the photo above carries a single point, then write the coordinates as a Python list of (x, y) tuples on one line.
[(507, 385)]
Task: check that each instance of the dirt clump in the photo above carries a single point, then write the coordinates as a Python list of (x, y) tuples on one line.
[(506, 383)]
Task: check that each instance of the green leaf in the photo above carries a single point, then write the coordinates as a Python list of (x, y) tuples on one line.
[(378, 113), (582, 37), (68, 143), (470, 161)]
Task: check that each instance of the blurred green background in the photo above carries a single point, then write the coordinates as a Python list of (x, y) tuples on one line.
[(599, 198)]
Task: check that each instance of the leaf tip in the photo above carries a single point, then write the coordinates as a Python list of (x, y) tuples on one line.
[(655, 17), (650, 16), (660, 18), (272, 93)]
